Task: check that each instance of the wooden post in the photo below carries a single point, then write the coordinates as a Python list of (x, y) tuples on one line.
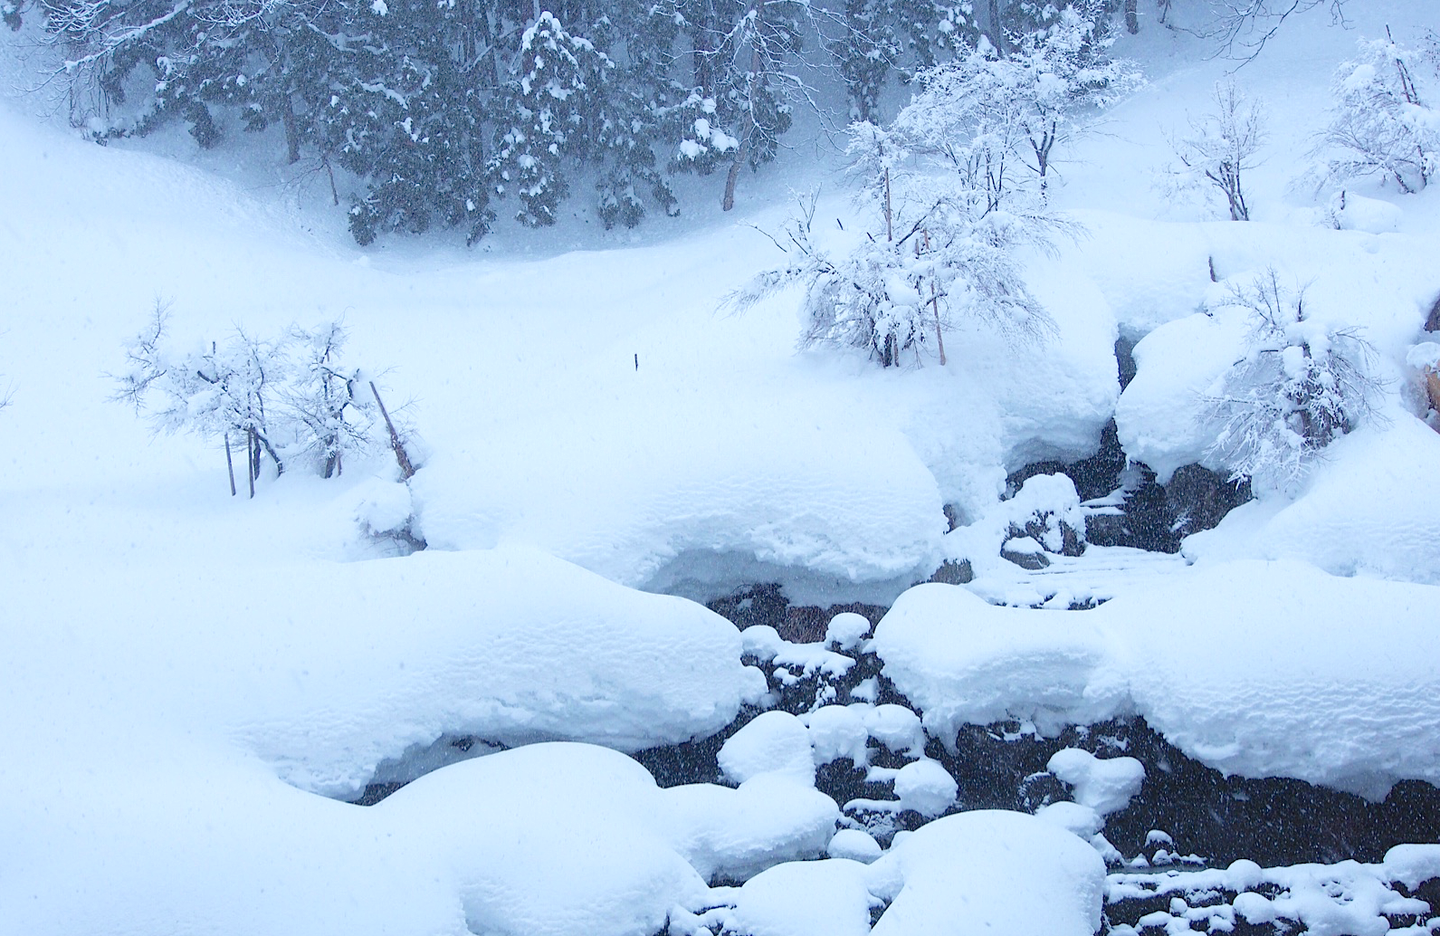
[(935, 305), (407, 471), (230, 464)]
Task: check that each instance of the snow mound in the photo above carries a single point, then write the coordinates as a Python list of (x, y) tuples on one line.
[(855, 844), (813, 898), (693, 504), (987, 872), (1105, 785), (1160, 418), (1255, 668), (505, 829), (1371, 508), (769, 819), (326, 670), (771, 742)]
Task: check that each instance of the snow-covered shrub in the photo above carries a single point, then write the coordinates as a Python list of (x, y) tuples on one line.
[(1302, 384), (1219, 150), (957, 187), (334, 417), (1384, 118), (285, 399)]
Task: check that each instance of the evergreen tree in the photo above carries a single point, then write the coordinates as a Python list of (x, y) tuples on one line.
[(744, 87), (408, 119), (551, 114)]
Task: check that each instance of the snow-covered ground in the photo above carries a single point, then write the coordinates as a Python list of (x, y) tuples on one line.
[(192, 680)]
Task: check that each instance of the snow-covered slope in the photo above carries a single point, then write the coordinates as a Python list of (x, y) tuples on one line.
[(185, 671)]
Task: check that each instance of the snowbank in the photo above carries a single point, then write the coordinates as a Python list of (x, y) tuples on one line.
[(324, 670), (1255, 668)]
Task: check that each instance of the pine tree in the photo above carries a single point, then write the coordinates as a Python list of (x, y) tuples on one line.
[(550, 114)]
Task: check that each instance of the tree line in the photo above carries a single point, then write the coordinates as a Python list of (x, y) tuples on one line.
[(443, 112)]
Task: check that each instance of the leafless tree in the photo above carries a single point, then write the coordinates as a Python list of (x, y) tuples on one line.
[(1219, 149)]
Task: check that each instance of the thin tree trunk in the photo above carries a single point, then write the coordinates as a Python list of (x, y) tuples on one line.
[(254, 454), (292, 132), (889, 216), (402, 457), (935, 306), (1132, 17), (741, 151), (230, 464), (334, 192)]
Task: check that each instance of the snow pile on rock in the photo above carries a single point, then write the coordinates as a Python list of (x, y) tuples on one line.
[(1106, 785), (961, 874), (1255, 668)]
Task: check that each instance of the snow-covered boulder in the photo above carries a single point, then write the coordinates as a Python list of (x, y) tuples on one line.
[(1255, 668), (990, 871)]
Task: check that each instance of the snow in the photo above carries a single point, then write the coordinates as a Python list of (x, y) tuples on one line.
[(1371, 508), (924, 786), (771, 742), (771, 818), (814, 898), (855, 844), (333, 668), (847, 629), (1344, 899), (838, 731), (192, 682)]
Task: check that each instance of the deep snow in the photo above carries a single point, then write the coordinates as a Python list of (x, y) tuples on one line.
[(189, 676)]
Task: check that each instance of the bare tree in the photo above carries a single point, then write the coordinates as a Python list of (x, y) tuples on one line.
[(1219, 150), (286, 399), (1242, 28), (1381, 121)]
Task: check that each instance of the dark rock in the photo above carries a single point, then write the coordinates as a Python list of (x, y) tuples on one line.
[(954, 573), (767, 604), (1094, 477), (1025, 560), (1125, 360), (1157, 517), (1198, 499)]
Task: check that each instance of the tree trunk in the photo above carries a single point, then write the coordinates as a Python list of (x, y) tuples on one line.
[(997, 27), (292, 132), (741, 151), (935, 306), (402, 457), (252, 450), (1132, 17), (889, 215)]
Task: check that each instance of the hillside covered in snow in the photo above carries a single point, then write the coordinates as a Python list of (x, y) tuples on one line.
[(928, 543)]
